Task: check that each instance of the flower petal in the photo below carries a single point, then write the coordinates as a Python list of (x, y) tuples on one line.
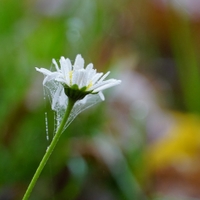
[(79, 62), (65, 69), (50, 77), (101, 96), (78, 77), (96, 77), (44, 71), (89, 67), (105, 84), (55, 63), (104, 76)]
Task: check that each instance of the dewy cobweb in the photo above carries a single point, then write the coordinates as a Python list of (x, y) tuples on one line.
[(59, 102)]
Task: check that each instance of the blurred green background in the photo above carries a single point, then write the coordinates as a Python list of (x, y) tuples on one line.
[(143, 141)]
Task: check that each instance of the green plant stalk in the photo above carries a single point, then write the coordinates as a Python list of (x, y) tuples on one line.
[(50, 149), (186, 57)]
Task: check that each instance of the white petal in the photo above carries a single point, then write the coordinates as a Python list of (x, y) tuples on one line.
[(44, 71), (84, 80), (56, 65), (64, 66), (61, 80), (79, 62), (91, 74), (96, 77), (50, 77), (89, 67), (75, 77), (106, 84), (78, 78), (104, 76), (95, 86), (69, 64), (101, 96)]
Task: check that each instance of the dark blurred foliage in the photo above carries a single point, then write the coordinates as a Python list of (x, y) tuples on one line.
[(143, 141)]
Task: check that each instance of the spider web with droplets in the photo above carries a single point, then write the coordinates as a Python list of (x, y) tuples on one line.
[(59, 101)]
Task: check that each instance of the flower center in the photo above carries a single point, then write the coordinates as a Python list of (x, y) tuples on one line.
[(89, 85), (70, 77)]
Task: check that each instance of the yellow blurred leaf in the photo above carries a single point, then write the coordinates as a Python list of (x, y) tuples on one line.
[(180, 145)]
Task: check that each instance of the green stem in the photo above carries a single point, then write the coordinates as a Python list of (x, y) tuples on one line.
[(50, 149)]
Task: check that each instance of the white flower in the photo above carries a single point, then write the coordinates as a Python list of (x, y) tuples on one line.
[(77, 80)]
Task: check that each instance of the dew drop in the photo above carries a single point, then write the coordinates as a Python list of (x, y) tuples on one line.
[(46, 125)]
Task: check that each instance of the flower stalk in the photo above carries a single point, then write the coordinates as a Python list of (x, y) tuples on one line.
[(50, 149)]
